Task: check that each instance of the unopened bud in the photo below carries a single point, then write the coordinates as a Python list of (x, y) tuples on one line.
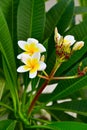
[(78, 45), (57, 36), (85, 70), (42, 58), (80, 64)]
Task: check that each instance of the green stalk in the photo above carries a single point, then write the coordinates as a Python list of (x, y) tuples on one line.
[(66, 77), (57, 65)]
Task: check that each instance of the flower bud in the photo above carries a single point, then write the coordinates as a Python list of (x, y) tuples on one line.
[(42, 58), (57, 36), (78, 45), (85, 70)]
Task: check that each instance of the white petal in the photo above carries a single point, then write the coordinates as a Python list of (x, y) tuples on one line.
[(41, 48), (36, 55), (20, 55), (70, 38), (22, 69), (42, 66), (32, 75), (25, 58), (32, 40), (22, 44)]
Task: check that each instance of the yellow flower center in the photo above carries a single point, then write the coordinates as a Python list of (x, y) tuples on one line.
[(66, 42), (32, 64), (31, 48)]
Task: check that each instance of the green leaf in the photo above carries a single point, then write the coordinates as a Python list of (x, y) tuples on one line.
[(9, 9), (8, 58), (80, 10), (79, 30), (54, 15), (59, 115), (66, 18), (10, 83), (2, 85), (31, 17), (5, 106), (77, 106), (7, 125), (67, 125), (6, 45), (83, 3)]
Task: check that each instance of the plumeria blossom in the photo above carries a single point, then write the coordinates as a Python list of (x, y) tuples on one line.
[(30, 47), (63, 45), (31, 64), (66, 41)]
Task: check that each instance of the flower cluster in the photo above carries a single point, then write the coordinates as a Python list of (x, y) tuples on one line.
[(31, 57), (64, 45)]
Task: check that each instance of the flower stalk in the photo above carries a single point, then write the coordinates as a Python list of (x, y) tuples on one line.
[(37, 96)]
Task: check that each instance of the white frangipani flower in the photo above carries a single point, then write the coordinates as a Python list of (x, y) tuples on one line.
[(32, 64), (69, 40), (30, 47)]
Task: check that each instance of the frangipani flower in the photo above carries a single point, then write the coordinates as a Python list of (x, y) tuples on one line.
[(66, 41), (63, 45), (69, 40), (32, 64), (30, 47)]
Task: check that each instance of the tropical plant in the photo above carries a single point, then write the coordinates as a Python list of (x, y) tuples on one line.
[(30, 41)]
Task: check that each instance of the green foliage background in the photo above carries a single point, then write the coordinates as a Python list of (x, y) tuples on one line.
[(19, 20)]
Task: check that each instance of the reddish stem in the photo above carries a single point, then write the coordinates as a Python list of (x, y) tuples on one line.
[(37, 96)]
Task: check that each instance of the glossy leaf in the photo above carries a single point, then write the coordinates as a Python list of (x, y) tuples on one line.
[(67, 125), (54, 15), (10, 83), (31, 22), (77, 106), (79, 30), (6, 44), (66, 18), (9, 9)]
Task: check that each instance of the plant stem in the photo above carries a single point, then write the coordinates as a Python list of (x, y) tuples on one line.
[(57, 65), (37, 96), (43, 77), (66, 77)]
